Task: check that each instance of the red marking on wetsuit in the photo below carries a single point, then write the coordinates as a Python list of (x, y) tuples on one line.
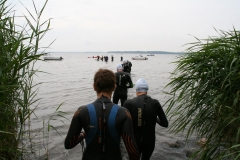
[(133, 153), (128, 115), (74, 140), (76, 113)]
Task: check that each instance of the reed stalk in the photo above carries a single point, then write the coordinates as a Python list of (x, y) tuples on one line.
[(205, 95), (19, 46)]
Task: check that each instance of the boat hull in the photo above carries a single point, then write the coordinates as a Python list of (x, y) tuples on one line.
[(139, 58), (53, 58)]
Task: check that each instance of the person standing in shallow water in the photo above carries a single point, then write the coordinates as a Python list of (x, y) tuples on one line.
[(145, 112), (103, 123), (123, 82), (129, 66), (125, 66)]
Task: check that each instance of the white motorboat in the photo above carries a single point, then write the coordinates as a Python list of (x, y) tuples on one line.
[(139, 58)]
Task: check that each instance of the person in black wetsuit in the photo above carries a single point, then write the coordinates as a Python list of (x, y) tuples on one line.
[(129, 64), (123, 82), (103, 123), (112, 57), (145, 112), (125, 66)]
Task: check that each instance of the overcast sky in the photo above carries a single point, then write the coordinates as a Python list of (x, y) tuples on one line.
[(133, 25)]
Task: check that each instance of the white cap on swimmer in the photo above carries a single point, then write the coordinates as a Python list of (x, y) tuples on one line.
[(124, 61), (141, 85), (119, 66)]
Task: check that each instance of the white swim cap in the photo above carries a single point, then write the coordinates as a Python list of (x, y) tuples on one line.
[(119, 66), (141, 85)]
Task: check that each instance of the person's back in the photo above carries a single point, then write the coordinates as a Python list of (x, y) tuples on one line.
[(125, 66), (129, 64), (97, 144), (123, 82), (104, 123), (149, 110), (145, 111)]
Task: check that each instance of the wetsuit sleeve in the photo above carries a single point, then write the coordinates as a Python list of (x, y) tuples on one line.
[(161, 119), (75, 135), (130, 83), (128, 137)]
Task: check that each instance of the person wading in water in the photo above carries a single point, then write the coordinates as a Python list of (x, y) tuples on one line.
[(102, 123), (123, 82), (145, 112)]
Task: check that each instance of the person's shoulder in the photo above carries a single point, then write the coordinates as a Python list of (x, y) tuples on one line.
[(81, 111), (155, 101), (122, 111), (86, 107), (129, 100)]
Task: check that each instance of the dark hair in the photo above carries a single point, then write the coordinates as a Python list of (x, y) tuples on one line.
[(104, 80)]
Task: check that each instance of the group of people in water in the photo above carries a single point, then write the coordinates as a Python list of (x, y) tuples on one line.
[(105, 58), (103, 123)]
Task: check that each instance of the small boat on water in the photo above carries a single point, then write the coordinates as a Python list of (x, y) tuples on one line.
[(53, 58), (139, 58), (150, 55)]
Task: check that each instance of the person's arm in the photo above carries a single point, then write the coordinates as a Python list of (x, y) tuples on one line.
[(75, 133), (130, 82), (128, 137), (161, 119)]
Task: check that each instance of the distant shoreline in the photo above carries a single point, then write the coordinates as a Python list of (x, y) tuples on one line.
[(146, 52), (126, 52)]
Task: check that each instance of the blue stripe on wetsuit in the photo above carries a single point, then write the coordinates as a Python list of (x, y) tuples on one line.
[(93, 124), (111, 124)]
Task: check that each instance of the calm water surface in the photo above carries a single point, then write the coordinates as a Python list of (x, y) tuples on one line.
[(70, 82)]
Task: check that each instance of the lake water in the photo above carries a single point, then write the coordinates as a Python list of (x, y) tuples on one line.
[(70, 82)]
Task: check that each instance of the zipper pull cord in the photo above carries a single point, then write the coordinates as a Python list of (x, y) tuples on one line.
[(104, 126)]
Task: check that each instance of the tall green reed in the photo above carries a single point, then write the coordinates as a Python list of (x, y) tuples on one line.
[(19, 46), (205, 95)]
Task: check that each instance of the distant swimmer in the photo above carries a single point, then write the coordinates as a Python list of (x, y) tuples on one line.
[(121, 59), (145, 112), (123, 82), (102, 123)]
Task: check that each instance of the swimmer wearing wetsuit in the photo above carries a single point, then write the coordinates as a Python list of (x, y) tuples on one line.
[(125, 66), (123, 82), (129, 64), (145, 112), (111, 122)]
